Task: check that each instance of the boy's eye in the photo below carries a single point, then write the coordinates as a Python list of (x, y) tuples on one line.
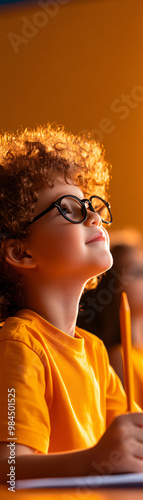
[(66, 208), (72, 208)]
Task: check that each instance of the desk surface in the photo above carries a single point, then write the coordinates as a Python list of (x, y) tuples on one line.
[(74, 494)]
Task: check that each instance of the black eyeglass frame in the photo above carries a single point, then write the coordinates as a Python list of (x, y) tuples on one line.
[(56, 204)]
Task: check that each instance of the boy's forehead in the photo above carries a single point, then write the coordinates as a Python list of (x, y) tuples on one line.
[(47, 195)]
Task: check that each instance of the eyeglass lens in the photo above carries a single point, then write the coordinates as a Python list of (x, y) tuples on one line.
[(75, 211), (72, 209), (100, 207)]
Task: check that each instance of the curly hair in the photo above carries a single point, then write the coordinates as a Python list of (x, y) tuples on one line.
[(28, 159)]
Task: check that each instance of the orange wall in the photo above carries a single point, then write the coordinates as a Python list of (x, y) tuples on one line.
[(71, 70)]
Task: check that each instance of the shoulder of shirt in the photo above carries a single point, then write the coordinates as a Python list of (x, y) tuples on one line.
[(12, 325), (21, 331), (90, 337)]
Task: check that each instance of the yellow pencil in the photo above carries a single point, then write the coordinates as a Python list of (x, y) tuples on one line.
[(126, 338)]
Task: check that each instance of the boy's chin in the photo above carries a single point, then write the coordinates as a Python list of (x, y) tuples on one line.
[(109, 260), (106, 263)]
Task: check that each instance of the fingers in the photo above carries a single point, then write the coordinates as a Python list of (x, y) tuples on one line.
[(135, 464), (138, 452), (139, 433), (134, 448), (135, 418), (126, 435), (134, 422), (120, 449), (130, 427)]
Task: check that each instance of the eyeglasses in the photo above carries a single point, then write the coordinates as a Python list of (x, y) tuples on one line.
[(75, 210)]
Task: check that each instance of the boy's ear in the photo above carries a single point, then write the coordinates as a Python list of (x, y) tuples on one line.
[(18, 254)]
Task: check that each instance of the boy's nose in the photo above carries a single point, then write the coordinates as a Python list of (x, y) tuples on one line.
[(93, 218)]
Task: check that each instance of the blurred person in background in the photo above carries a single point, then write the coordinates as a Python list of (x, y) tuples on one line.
[(99, 307)]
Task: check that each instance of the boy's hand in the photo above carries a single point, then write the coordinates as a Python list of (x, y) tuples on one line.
[(120, 450)]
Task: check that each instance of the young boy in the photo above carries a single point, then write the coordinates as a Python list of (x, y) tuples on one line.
[(69, 404)]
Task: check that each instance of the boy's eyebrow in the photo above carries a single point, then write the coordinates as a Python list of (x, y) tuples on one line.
[(79, 195)]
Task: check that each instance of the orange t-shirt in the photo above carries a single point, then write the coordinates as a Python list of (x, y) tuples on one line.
[(66, 391)]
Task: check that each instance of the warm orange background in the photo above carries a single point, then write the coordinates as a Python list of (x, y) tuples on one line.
[(71, 70)]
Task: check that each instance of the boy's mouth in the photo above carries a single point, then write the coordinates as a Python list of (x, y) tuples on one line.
[(99, 236)]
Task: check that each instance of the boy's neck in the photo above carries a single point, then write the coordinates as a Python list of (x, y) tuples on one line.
[(57, 305)]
